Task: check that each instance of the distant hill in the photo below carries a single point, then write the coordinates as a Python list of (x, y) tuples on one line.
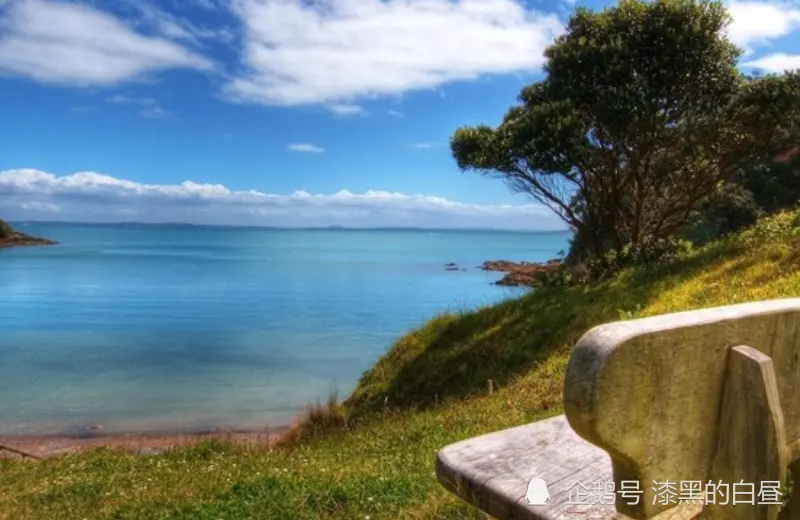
[(11, 238), (332, 227)]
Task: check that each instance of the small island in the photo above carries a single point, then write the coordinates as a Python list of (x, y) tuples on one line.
[(11, 238)]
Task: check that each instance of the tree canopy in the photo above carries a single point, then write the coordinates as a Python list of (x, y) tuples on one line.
[(641, 118)]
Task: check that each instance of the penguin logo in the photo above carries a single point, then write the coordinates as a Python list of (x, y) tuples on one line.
[(537, 494)]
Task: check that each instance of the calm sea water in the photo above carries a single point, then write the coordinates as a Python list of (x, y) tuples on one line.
[(163, 328)]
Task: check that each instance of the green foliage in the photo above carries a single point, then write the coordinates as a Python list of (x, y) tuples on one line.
[(768, 177), (5, 229), (766, 114), (563, 276), (775, 185), (613, 262), (629, 121), (778, 229), (730, 208), (641, 119), (319, 419)]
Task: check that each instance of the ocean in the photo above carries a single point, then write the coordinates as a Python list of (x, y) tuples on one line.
[(163, 328)]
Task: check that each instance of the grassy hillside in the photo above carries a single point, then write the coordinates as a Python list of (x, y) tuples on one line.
[(373, 458)]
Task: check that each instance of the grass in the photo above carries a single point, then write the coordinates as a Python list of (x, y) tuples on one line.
[(5, 229), (372, 456)]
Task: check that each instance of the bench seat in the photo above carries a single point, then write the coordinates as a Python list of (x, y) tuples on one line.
[(492, 472)]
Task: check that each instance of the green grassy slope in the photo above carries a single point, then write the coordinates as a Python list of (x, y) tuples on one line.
[(429, 390), (5, 229)]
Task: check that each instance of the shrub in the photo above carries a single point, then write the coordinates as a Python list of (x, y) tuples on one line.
[(5, 229), (319, 418), (774, 228), (661, 251)]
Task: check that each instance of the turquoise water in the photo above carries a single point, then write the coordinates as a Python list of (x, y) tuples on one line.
[(164, 328)]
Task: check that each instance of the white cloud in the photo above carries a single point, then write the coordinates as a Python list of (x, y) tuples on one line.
[(89, 196), (778, 62), (155, 112), (757, 23), (305, 148), (172, 26), (120, 99), (395, 113), (425, 145), (343, 109), (65, 43), (148, 107), (40, 207), (337, 51)]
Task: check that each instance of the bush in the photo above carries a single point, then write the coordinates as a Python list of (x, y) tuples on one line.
[(5, 229), (775, 228), (568, 274), (319, 419), (661, 251), (731, 208)]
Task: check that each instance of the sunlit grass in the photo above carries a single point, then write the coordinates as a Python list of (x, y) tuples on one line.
[(373, 456)]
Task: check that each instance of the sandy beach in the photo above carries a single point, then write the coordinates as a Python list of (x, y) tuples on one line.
[(37, 447)]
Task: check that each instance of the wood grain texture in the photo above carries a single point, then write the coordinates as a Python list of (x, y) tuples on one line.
[(670, 398), (648, 391), (492, 472), (751, 446)]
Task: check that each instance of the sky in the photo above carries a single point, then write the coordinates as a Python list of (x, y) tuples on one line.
[(282, 112)]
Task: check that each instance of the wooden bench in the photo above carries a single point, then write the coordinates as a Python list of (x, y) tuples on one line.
[(684, 411)]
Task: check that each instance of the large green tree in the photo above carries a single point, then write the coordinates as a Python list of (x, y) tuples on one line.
[(640, 119), (768, 111), (768, 177)]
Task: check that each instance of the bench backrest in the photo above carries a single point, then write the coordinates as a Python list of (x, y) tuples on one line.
[(649, 391)]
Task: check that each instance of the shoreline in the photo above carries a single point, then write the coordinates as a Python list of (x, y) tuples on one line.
[(147, 443), (520, 274), (19, 239), (35, 446)]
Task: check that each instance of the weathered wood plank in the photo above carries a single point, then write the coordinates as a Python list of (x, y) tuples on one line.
[(751, 445), (493, 471), (648, 391)]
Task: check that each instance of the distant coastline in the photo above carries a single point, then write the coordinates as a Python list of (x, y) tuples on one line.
[(12, 238), (21, 239), (332, 227)]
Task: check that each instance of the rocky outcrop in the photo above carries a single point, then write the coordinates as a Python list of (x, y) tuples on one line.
[(21, 239), (520, 273)]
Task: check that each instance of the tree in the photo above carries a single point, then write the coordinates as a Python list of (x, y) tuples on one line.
[(768, 108), (637, 123), (775, 184)]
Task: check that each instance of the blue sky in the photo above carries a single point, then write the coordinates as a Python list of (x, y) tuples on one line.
[(280, 112)]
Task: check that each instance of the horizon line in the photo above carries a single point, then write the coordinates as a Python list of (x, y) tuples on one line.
[(331, 227)]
